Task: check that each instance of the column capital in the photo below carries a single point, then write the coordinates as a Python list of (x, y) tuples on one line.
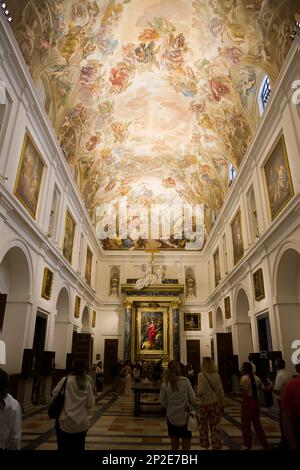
[(128, 304), (175, 305)]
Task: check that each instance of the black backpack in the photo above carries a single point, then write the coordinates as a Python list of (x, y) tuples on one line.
[(56, 406)]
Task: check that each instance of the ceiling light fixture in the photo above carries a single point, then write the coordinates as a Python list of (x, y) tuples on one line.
[(3, 5), (9, 19)]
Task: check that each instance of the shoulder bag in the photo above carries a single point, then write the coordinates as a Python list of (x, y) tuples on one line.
[(194, 422), (56, 406), (213, 389)]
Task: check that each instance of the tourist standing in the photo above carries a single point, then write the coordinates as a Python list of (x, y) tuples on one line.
[(282, 378), (290, 409), (250, 413), (99, 377), (177, 395), (73, 422), (211, 394), (10, 417)]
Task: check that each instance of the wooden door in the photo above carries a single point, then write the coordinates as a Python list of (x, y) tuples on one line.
[(110, 355), (3, 298), (82, 347), (193, 355), (225, 355)]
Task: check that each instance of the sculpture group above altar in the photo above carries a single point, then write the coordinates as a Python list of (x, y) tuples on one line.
[(150, 278)]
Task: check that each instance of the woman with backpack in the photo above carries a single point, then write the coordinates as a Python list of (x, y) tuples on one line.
[(73, 422)]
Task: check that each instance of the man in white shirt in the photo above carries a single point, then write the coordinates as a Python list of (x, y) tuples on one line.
[(282, 378), (10, 417)]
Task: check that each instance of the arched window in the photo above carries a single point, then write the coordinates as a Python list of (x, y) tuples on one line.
[(232, 174), (264, 93)]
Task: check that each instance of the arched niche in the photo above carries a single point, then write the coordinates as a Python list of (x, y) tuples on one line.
[(15, 282), (287, 286), (62, 337), (242, 327), (219, 321), (114, 281), (85, 320)]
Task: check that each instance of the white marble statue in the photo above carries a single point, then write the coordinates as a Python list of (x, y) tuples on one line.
[(150, 279)]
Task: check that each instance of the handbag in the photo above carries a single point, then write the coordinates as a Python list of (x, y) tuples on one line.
[(213, 389), (56, 406), (193, 423)]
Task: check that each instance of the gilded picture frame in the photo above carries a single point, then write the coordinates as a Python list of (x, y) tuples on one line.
[(77, 307), (217, 267), (152, 328), (29, 175), (94, 319), (210, 320), (278, 178), (47, 284), (192, 322), (227, 308), (237, 237), (258, 285), (69, 235), (88, 265)]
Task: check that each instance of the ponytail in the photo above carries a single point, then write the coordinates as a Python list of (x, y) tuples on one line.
[(172, 374), (253, 385), (247, 367)]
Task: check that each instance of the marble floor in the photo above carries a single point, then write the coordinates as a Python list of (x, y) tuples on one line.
[(113, 427)]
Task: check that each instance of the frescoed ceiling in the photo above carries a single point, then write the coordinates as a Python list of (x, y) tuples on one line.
[(152, 100)]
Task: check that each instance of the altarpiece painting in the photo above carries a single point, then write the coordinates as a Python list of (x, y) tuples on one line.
[(152, 325)]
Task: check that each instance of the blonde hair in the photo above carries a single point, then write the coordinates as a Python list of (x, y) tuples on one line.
[(172, 374), (208, 366)]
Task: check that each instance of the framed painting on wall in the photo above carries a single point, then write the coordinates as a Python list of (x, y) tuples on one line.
[(70, 226), (152, 325), (278, 178), (192, 321), (217, 267), (77, 307), (210, 320), (258, 284), (237, 237), (29, 176), (47, 284), (88, 265), (227, 307)]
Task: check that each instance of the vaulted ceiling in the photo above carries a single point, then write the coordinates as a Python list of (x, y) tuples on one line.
[(153, 99)]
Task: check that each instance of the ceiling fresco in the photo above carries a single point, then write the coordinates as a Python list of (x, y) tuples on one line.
[(152, 100)]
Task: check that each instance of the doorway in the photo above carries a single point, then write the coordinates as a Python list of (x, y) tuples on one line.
[(225, 354), (110, 355), (193, 355), (39, 341), (38, 354), (264, 333)]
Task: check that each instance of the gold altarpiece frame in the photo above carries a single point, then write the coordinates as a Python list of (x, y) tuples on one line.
[(152, 321)]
